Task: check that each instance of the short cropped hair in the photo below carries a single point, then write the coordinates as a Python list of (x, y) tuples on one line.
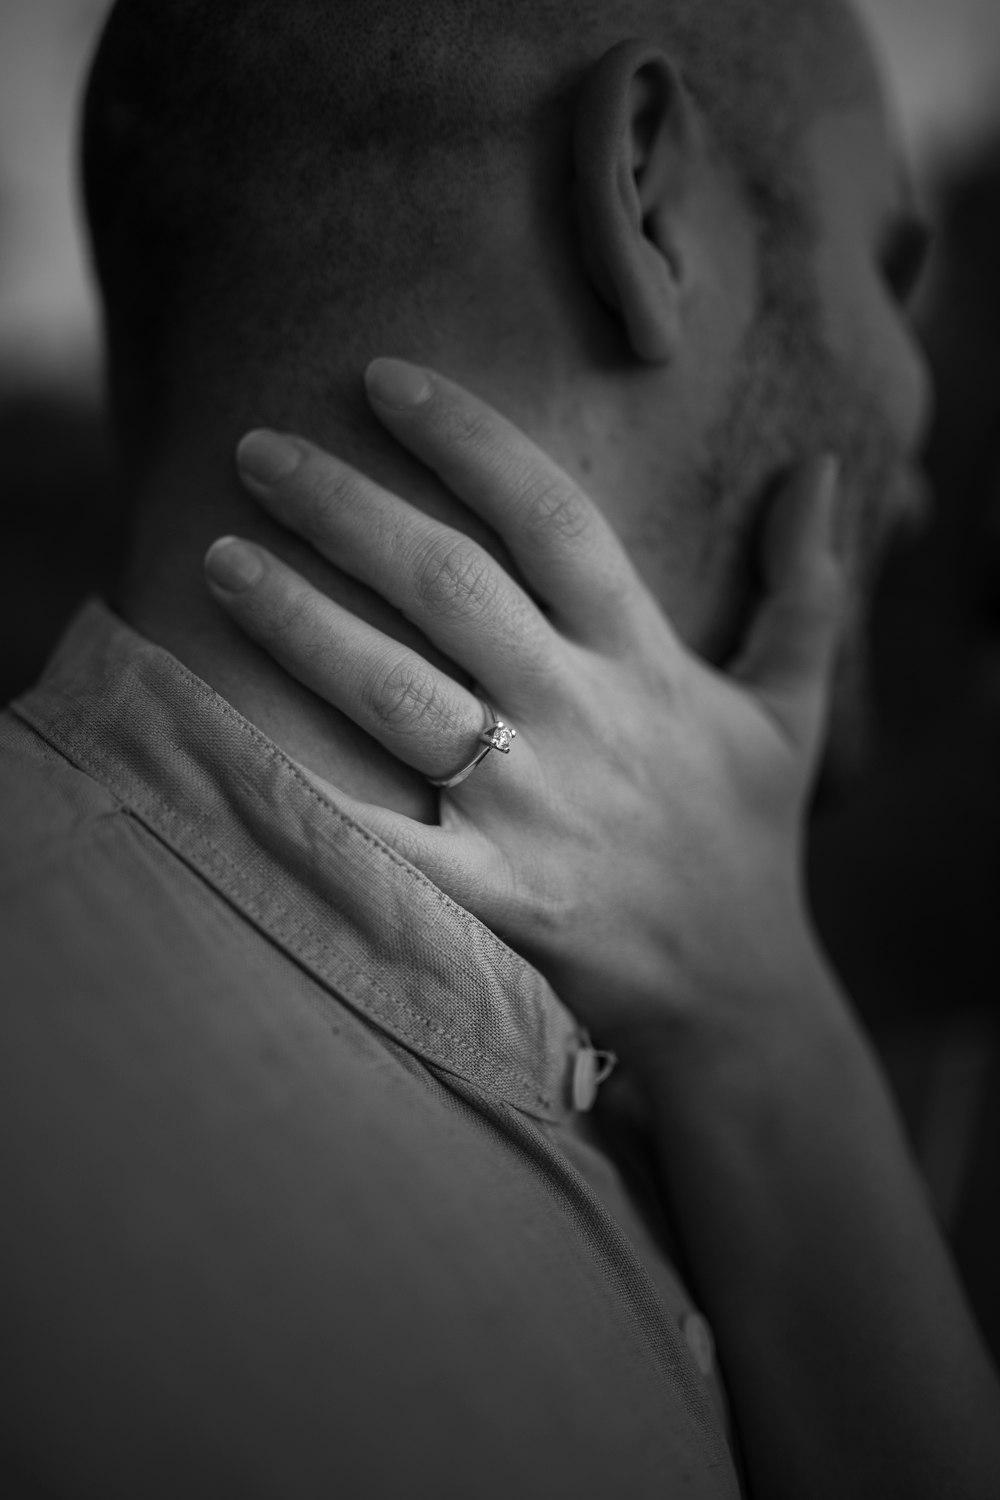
[(248, 163)]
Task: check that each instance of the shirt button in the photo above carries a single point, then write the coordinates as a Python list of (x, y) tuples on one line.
[(700, 1341), (584, 1080), (590, 1069)]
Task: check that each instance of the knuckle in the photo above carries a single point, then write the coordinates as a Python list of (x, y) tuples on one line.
[(402, 697), (546, 499), (551, 507), (456, 578)]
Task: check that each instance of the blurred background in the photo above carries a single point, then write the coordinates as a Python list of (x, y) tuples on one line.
[(905, 874)]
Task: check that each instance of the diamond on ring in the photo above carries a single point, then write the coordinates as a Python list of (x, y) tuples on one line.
[(498, 736)]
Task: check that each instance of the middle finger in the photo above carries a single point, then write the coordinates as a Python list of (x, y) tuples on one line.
[(443, 582)]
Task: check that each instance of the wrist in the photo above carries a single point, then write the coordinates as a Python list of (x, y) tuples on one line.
[(755, 1021)]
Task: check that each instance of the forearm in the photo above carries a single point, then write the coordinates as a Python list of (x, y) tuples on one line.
[(854, 1366)]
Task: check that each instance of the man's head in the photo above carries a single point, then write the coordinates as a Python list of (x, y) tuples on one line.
[(661, 256)]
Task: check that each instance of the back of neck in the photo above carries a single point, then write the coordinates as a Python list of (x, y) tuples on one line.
[(188, 501)]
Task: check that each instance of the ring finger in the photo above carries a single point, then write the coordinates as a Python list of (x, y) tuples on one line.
[(418, 713)]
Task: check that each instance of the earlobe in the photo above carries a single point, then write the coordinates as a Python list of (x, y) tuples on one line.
[(635, 144)]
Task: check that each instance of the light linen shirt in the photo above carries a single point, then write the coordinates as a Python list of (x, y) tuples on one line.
[(295, 1198)]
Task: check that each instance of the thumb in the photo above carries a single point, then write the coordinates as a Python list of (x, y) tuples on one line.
[(787, 659)]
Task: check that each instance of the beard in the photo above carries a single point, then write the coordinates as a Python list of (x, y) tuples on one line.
[(793, 397)]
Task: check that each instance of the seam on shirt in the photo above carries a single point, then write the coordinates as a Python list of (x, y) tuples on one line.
[(301, 928), (329, 954), (275, 754)]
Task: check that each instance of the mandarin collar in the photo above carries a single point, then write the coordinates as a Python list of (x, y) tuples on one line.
[(273, 842)]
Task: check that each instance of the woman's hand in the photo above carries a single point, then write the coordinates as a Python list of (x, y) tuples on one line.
[(641, 841)]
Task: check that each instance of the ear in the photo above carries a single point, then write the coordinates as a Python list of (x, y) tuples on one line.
[(637, 144)]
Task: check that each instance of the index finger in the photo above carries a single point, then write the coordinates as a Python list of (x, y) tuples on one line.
[(567, 553)]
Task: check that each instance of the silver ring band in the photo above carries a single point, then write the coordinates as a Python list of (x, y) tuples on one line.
[(497, 736)]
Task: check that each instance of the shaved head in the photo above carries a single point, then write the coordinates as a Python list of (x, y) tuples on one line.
[(279, 190), (251, 165)]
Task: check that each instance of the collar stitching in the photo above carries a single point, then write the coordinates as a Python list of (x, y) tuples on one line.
[(93, 763)]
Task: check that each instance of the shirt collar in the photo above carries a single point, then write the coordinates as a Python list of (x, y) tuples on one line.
[(275, 844)]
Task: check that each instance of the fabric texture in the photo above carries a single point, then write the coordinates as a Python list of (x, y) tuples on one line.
[(297, 1200)]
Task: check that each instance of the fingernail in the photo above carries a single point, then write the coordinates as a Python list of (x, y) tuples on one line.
[(267, 457), (233, 565), (396, 383)]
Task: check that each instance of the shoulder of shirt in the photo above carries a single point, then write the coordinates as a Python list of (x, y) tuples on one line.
[(46, 803)]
